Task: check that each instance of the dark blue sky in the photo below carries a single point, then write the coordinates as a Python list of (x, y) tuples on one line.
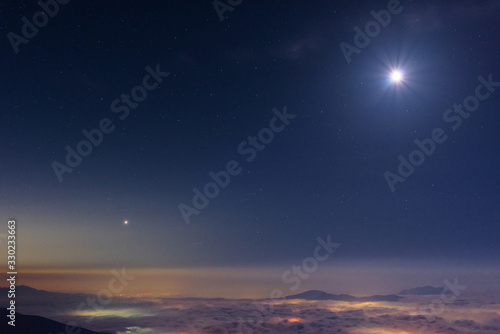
[(322, 175)]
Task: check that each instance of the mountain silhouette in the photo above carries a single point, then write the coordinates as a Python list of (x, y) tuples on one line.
[(321, 295), (31, 324)]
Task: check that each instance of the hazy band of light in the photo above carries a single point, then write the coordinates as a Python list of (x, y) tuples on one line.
[(358, 279)]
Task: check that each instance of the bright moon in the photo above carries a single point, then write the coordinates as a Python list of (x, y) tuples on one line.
[(125, 222), (396, 76)]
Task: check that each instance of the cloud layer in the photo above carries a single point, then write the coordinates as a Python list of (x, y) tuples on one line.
[(470, 313)]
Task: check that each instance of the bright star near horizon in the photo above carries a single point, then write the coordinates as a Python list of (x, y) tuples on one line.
[(125, 222), (396, 76)]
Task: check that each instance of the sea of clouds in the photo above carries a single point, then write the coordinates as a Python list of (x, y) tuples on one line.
[(470, 313)]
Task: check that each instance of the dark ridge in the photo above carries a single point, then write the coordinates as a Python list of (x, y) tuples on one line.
[(31, 324)]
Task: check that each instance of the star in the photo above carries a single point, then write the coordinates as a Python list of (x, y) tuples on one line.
[(396, 76)]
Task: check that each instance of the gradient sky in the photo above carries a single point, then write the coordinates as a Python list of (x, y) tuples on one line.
[(322, 175)]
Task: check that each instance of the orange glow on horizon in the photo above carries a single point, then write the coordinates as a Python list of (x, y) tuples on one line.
[(153, 282)]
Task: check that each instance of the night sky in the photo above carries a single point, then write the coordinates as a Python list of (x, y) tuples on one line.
[(216, 84)]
